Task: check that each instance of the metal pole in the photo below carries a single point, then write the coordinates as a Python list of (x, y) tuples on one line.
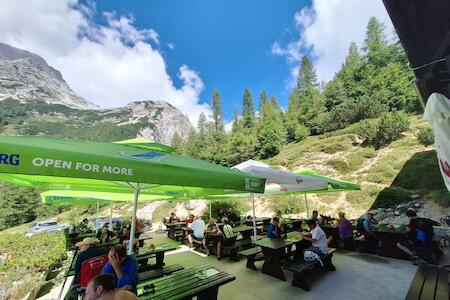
[(252, 196), (110, 218), (133, 219), (210, 213), (307, 210), (96, 218)]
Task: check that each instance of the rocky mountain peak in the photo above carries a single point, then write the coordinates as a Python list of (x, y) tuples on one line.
[(27, 76)]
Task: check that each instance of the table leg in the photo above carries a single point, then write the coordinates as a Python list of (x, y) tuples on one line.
[(208, 294), (159, 260), (272, 265)]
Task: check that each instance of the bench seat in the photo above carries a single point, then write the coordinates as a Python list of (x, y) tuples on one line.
[(302, 269), (156, 273), (430, 282), (251, 254)]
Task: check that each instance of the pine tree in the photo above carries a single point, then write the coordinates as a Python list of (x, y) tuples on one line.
[(248, 109), (217, 113), (177, 142), (376, 44), (270, 132), (276, 104), (263, 99)]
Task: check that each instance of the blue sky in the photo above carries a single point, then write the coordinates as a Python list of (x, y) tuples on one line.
[(116, 51), (227, 42)]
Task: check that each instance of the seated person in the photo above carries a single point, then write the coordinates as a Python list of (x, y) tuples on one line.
[(173, 218), (123, 267), (124, 237), (87, 250), (84, 226), (317, 238), (419, 233), (368, 224), (315, 216), (220, 214), (212, 233), (105, 235), (345, 232), (188, 221), (274, 229), (125, 295), (100, 287), (228, 237), (198, 231)]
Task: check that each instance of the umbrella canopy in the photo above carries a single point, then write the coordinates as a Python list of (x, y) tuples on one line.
[(135, 166), (281, 182), (36, 161)]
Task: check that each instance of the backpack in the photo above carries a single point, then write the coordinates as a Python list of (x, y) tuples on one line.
[(312, 256), (360, 226)]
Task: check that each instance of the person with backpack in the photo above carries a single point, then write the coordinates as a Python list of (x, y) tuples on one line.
[(419, 233)]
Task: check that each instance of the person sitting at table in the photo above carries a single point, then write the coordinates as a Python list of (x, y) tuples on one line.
[(85, 226), (419, 234), (124, 237), (173, 218), (87, 250), (105, 235), (212, 233), (317, 238), (123, 267), (368, 224), (228, 237), (188, 221), (316, 217), (198, 231), (274, 230), (345, 232), (100, 287)]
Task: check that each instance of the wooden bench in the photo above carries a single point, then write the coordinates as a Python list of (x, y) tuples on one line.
[(251, 254), (156, 273), (430, 282), (302, 269)]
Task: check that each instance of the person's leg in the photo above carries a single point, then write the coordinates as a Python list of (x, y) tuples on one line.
[(191, 242), (405, 249), (219, 250)]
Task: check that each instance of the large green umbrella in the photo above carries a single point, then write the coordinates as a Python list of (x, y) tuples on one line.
[(50, 164)]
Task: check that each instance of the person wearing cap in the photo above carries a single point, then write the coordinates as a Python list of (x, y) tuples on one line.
[(88, 250)]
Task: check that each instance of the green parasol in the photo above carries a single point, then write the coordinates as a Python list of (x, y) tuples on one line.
[(61, 164)]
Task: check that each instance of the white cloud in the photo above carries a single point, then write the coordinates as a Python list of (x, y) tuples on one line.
[(109, 64), (171, 46), (325, 31)]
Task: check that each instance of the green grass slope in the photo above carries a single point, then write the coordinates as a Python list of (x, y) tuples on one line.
[(388, 176)]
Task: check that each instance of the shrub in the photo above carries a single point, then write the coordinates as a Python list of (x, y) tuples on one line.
[(426, 136), (441, 197), (385, 130), (240, 206), (339, 165), (391, 196), (301, 132)]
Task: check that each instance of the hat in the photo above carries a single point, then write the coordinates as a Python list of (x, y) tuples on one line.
[(87, 241)]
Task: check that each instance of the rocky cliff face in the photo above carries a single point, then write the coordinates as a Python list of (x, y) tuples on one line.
[(27, 78), (24, 75)]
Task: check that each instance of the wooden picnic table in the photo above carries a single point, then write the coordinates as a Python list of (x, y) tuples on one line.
[(144, 254), (259, 221), (389, 235), (202, 282), (244, 230), (274, 251), (292, 224), (173, 229)]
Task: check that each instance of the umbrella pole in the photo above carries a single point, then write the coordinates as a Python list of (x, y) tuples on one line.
[(96, 218), (133, 219), (210, 214), (307, 210), (110, 218), (252, 196)]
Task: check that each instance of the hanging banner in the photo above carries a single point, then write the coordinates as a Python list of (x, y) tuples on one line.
[(437, 113)]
